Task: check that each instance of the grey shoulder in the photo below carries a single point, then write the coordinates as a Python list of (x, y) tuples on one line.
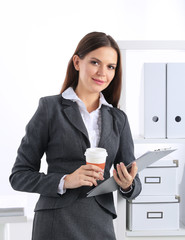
[(53, 99), (118, 113)]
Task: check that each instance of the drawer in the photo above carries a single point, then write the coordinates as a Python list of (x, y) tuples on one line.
[(159, 181), (146, 214)]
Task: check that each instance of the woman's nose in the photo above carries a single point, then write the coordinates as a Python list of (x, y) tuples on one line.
[(101, 71)]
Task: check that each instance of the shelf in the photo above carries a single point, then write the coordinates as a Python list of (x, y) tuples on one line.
[(158, 233), (159, 140), (134, 55), (149, 44), (13, 219)]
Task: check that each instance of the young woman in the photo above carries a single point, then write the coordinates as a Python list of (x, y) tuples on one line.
[(84, 115)]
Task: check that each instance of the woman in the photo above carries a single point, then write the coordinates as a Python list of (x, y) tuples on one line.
[(84, 115)]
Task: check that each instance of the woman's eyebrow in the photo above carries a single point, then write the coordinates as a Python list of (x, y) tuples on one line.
[(93, 58), (98, 60)]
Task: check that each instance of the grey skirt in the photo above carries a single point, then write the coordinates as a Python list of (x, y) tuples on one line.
[(85, 219)]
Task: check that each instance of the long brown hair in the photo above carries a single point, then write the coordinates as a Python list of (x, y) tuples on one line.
[(88, 43)]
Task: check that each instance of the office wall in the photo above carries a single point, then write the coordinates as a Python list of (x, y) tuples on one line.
[(37, 38)]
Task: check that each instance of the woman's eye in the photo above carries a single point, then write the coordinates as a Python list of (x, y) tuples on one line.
[(111, 67), (94, 62)]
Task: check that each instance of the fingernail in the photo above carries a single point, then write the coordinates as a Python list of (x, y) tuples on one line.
[(101, 177)]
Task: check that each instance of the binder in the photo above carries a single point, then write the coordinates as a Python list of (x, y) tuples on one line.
[(155, 100), (175, 100)]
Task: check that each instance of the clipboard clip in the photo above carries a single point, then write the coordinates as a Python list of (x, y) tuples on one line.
[(162, 149)]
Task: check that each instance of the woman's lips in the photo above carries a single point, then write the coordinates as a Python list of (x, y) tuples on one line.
[(98, 81)]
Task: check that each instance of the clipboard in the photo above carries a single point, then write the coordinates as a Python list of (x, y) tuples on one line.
[(143, 161)]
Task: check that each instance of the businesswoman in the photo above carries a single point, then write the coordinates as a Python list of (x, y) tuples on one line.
[(83, 115)]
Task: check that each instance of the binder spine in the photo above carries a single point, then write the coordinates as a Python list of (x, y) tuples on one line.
[(155, 100), (176, 100)]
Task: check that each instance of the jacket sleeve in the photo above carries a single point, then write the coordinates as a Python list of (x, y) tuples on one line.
[(25, 174), (126, 155)]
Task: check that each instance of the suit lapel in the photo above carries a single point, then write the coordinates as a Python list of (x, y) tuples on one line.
[(106, 124), (73, 114)]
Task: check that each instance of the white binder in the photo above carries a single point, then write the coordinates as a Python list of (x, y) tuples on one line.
[(155, 100), (176, 100)]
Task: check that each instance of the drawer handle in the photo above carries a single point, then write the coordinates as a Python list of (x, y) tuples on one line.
[(153, 180), (154, 215)]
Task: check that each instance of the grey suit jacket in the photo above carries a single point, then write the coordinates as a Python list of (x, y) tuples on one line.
[(57, 129)]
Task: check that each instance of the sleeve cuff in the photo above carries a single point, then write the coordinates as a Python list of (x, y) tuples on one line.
[(61, 189), (125, 192)]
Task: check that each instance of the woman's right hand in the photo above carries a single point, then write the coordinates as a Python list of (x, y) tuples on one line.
[(86, 175)]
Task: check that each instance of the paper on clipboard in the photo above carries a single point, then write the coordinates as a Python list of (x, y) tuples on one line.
[(143, 161)]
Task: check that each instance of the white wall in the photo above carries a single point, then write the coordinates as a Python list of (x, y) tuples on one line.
[(38, 37), (151, 20)]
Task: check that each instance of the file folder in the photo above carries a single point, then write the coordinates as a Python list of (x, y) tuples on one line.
[(155, 100), (176, 100)]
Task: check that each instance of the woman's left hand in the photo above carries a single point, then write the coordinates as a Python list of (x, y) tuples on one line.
[(124, 178)]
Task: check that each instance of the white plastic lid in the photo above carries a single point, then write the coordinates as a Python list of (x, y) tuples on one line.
[(96, 152)]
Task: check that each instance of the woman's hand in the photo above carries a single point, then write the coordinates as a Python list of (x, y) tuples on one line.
[(86, 175), (124, 178)]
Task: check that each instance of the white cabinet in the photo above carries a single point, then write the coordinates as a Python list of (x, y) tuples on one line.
[(153, 213), (18, 222), (160, 179), (134, 55)]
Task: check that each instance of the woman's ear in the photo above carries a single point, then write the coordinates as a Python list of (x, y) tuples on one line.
[(76, 61)]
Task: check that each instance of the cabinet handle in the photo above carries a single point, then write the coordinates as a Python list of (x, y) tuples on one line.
[(154, 215), (152, 180)]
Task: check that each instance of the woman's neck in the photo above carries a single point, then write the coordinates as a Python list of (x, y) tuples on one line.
[(91, 100)]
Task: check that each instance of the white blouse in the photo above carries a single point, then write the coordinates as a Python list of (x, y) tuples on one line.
[(91, 120)]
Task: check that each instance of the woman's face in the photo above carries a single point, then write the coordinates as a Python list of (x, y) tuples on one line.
[(96, 69)]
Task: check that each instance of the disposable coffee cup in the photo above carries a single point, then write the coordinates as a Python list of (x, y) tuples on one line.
[(96, 156)]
